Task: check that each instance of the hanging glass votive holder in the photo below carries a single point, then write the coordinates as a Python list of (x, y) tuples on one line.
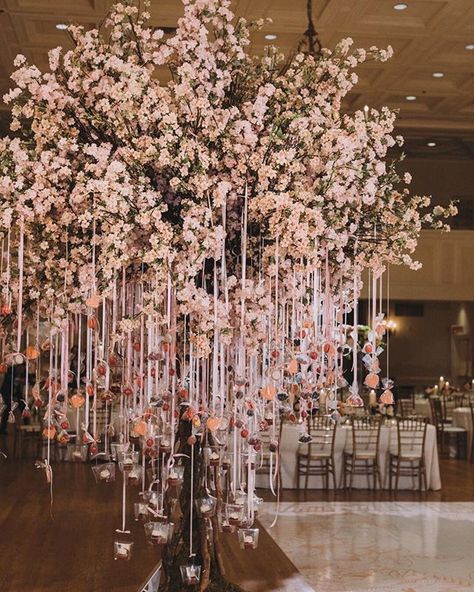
[(157, 533), (240, 498), (191, 574), (225, 462), (248, 538), (77, 453), (235, 514), (213, 456), (117, 450), (123, 550), (223, 522), (127, 460), (165, 445), (206, 506), (152, 498), (134, 476), (140, 511), (104, 473), (176, 475)]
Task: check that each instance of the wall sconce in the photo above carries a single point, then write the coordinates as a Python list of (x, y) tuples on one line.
[(390, 325)]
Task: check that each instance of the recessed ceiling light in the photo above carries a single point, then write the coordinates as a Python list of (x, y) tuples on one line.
[(438, 74), (410, 98), (400, 6), (469, 46), (270, 37), (61, 26), (431, 144)]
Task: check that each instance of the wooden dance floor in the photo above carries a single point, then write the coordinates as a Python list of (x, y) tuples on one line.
[(72, 551)]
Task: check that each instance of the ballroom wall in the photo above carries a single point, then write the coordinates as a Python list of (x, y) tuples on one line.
[(438, 343), (440, 340)]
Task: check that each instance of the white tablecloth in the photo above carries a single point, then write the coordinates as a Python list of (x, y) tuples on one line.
[(462, 419), (388, 436)]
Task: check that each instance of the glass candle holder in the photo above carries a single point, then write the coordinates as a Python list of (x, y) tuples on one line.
[(191, 574), (224, 524), (213, 456), (78, 453), (117, 450), (127, 460), (140, 511), (206, 506), (157, 533), (176, 475), (104, 473), (225, 462), (240, 499), (248, 538), (268, 418), (165, 445), (122, 550), (134, 475), (152, 498), (234, 514)]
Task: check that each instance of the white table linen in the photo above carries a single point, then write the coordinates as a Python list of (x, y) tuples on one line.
[(462, 419)]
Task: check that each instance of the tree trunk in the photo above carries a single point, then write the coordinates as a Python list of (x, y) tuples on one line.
[(205, 535)]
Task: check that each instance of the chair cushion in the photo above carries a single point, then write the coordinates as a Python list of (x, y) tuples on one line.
[(315, 455), (365, 454), (410, 457)]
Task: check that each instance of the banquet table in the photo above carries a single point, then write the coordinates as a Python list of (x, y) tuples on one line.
[(462, 419), (343, 438)]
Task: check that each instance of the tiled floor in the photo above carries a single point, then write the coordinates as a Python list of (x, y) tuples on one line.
[(378, 546)]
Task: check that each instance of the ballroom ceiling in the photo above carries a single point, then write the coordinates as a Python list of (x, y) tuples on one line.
[(428, 36)]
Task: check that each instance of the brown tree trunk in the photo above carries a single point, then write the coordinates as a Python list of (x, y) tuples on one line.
[(206, 547)]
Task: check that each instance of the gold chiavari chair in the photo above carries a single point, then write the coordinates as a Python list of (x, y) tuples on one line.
[(471, 407), (407, 457), (446, 431), (405, 407), (449, 404), (361, 458), (317, 457)]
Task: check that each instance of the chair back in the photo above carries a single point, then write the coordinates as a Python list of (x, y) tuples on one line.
[(411, 436), (471, 407), (365, 434), (450, 402), (437, 412), (323, 431), (406, 407), (468, 398)]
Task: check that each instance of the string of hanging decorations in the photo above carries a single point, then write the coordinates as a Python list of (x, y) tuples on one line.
[(182, 261)]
